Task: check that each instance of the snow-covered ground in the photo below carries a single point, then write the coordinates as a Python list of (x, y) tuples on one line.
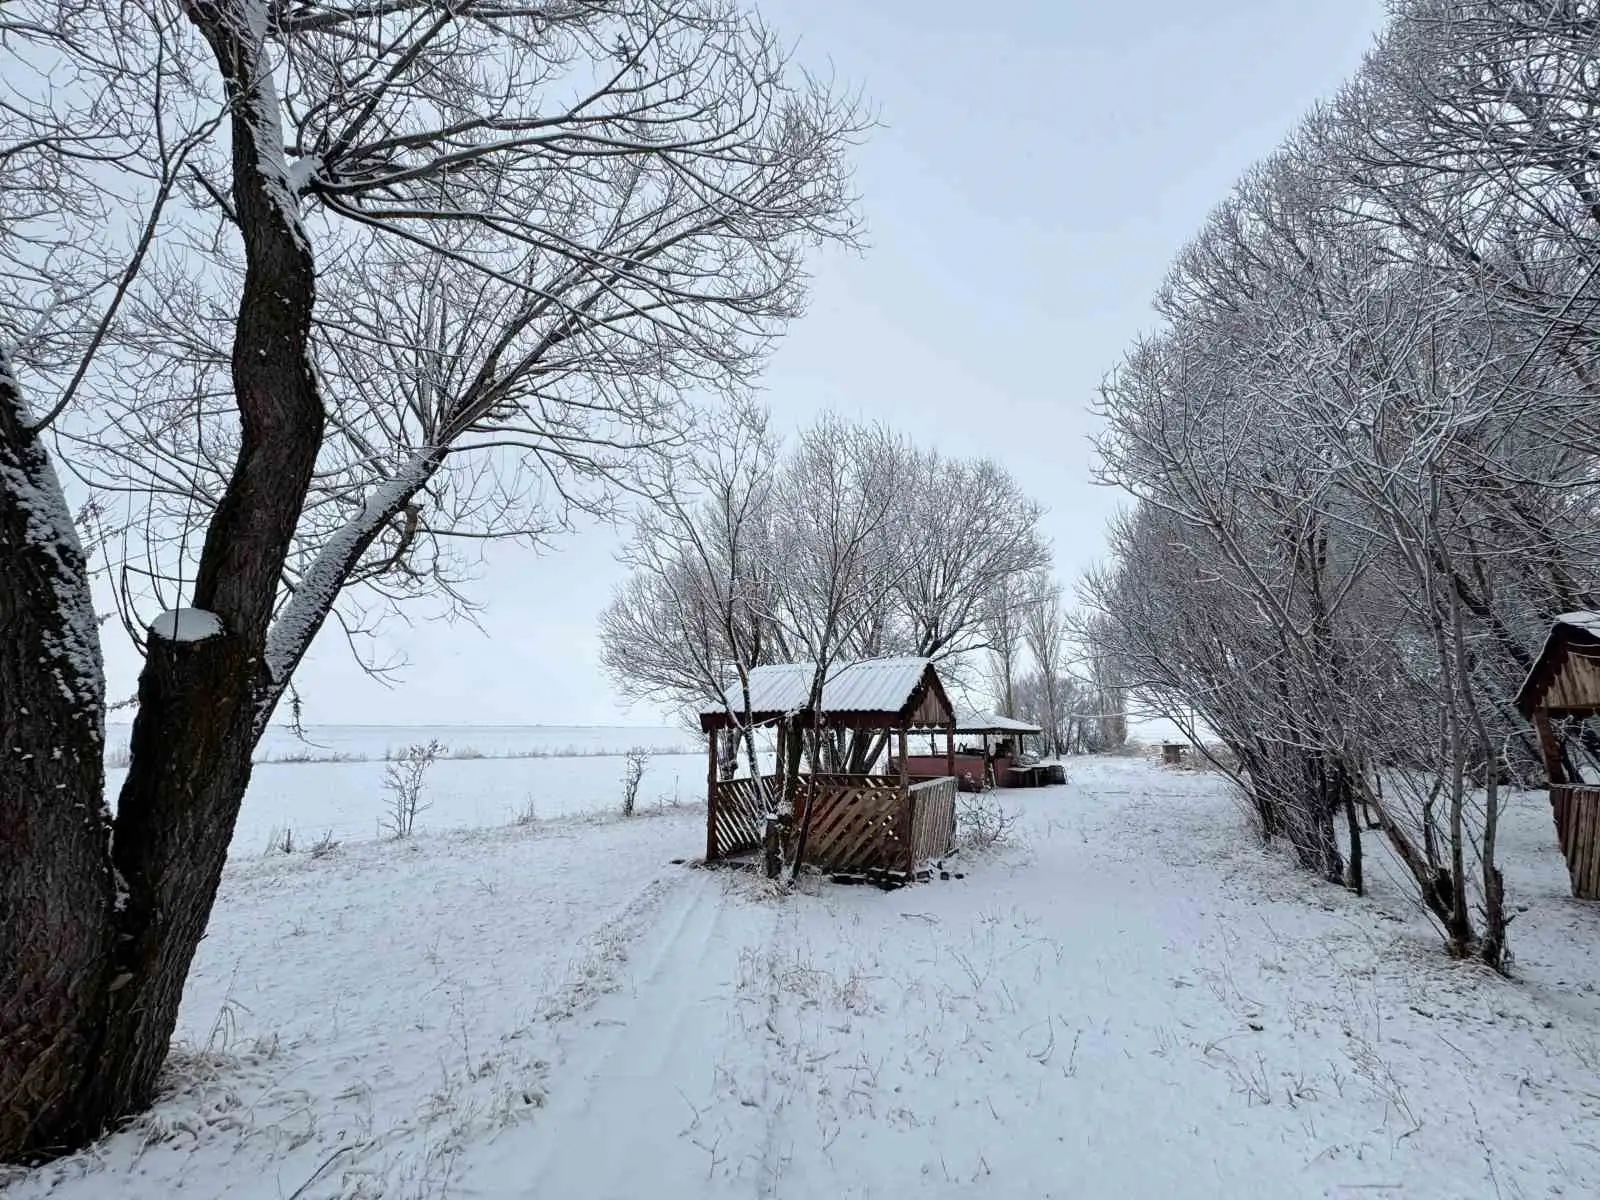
[(1132, 1000)]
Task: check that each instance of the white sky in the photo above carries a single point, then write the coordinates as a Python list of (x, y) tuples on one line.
[(1040, 163)]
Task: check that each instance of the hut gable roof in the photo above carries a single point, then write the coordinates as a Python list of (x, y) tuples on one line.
[(1565, 678), (882, 686)]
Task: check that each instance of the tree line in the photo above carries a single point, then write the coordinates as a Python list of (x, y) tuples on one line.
[(1361, 449)]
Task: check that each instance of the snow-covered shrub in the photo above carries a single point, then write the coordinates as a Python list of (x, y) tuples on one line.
[(632, 773), (982, 821), (403, 779)]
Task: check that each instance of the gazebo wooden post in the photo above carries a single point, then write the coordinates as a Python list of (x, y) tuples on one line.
[(1549, 747), (711, 796), (950, 751), (908, 816)]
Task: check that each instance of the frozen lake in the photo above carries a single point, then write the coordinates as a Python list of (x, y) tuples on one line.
[(361, 743), (486, 776)]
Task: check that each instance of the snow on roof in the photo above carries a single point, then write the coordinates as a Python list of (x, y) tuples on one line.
[(1586, 620), (186, 625), (987, 722), (872, 685)]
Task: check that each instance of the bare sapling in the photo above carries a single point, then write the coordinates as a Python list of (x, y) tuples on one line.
[(634, 764), (404, 778)]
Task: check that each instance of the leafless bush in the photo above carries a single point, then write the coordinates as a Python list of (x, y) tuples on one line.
[(324, 845), (632, 772), (983, 822), (403, 779), (281, 841), (527, 814)]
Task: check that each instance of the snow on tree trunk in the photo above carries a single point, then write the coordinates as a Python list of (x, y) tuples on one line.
[(112, 1015), (57, 888)]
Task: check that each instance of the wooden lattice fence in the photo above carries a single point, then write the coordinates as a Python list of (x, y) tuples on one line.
[(740, 815), (859, 823), (856, 822)]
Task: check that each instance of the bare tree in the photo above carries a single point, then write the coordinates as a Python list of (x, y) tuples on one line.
[(309, 299), (1363, 451), (1002, 625), (694, 612), (1044, 625), (838, 495), (747, 562)]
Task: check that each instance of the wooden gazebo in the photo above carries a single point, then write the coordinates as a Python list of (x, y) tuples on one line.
[(859, 823), (988, 754), (1563, 685)]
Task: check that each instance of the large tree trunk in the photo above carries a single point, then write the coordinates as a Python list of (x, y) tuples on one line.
[(84, 1044), (57, 890)]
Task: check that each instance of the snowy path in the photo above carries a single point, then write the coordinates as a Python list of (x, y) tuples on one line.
[(1132, 1000), (630, 1081), (1138, 1003)]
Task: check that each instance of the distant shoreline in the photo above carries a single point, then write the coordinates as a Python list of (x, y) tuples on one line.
[(385, 743), (289, 729)]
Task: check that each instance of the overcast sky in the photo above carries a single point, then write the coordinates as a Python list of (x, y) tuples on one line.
[(1039, 163)]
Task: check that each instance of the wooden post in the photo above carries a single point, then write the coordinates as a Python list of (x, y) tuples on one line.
[(910, 802), (711, 796), (908, 817), (950, 752), (1549, 747)]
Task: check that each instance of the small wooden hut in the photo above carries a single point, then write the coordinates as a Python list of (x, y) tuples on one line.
[(988, 754), (1563, 686), (889, 823)]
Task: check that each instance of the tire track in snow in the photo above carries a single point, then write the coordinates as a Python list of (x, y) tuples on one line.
[(644, 1069), (776, 1090)]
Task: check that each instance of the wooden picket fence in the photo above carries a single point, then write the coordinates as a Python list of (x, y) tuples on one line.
[(1577, 812), (859, 823)]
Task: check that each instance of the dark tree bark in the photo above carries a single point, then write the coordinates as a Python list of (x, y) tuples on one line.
[(57, 891), (85, 1031)]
